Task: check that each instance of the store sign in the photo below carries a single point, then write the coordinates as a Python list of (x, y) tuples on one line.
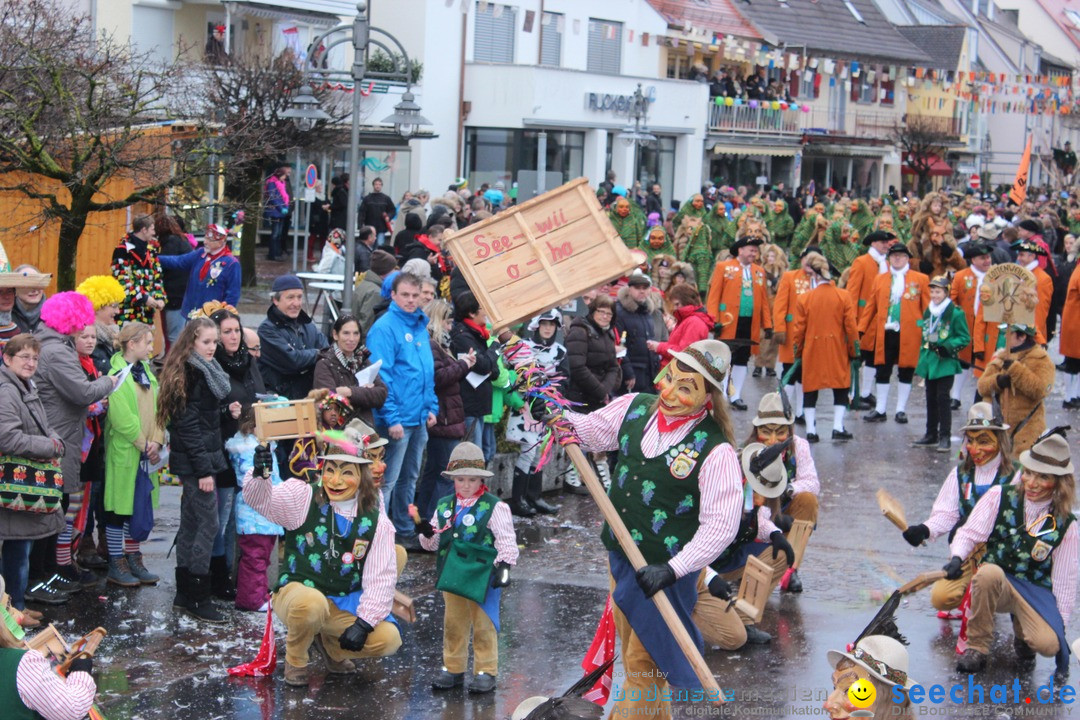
[(617, 104)]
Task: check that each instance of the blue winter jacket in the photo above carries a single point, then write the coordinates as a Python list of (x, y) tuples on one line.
[(222, 279), (401, 341)]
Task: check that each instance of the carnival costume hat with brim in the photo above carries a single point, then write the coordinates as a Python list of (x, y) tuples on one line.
[(467, 460), (763, 468), (771, 411), (898, 248), (878, 236), (1050, 455), (752, 237), (364, 435), (885, 658), (711, 358), (22, 279), (348, 447), (982, 416)]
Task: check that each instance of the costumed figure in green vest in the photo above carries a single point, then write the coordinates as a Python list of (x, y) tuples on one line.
[(629, 224), (717, 221), (780, 223), (841, 245), (656, 243), (336, 585), (985, 464), (473, 533), (863, 216), (806, 229), (1029, 567), (30, 689), (693, 244), (766, 480), (678, 489), (902, 224), (694, 207)]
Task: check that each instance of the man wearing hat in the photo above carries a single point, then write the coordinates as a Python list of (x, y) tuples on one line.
[(892, 314), (214, 271), (640, 319), (1032, 230), (985, 464), (1028, 254), (826, 340), (1030, 566), (883, 662), (290, 341), (793, 284), (471, 516), (861, 277), (678, 488), (964, 293), (739, 303), (1021, 377), (9, 283), (336, 584), (766, 480)]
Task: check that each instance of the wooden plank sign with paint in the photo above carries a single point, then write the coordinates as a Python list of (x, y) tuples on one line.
[(539, 254), (1009, 295)]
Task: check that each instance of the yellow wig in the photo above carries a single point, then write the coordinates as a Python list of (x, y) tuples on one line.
[(101, 290)]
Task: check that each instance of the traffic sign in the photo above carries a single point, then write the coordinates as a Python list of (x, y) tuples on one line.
[(974, 181), (311, 175)]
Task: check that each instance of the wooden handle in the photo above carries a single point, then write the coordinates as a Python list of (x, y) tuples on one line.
[(633, 554)]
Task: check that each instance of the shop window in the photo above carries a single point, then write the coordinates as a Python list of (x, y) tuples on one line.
[(605, 47), (493, 39), (551, 39)]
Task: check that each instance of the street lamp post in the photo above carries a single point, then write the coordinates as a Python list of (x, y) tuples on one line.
[(405, 119), (636, 132)]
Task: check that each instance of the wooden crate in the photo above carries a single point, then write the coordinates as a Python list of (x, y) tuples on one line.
[(539, 254), (283, 420)]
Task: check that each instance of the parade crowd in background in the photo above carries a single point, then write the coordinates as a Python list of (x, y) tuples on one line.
[(807, 291)]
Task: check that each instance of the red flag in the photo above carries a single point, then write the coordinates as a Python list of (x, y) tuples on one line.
[(266, 661), (601, 650)]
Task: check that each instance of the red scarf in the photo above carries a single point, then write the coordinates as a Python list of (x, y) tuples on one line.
[(93, 422), (483, 331), (430, 245), (666, 424), (210, 259)]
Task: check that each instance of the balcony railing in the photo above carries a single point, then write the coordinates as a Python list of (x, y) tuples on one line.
[(746, 120), (851, 122)]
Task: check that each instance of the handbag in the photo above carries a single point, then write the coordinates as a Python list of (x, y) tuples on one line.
[(30, 485), (467, 570), (142, 506)]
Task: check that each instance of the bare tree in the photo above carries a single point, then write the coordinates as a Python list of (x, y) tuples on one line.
[(924, 139), (245, 100), (78, 111)]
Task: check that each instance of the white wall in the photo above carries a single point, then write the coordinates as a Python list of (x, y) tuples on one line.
[(1038, 25)]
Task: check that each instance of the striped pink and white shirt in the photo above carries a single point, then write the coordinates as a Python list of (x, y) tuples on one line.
[(946, 511), (48, 694), (719, 478), (501, 525), (806, 477), (1063, 561), (287, 505)]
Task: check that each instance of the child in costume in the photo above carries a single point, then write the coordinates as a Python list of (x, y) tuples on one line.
[(472, 519), (332, 409), (255, 535)]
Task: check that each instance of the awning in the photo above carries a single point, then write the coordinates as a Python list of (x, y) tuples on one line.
[(284, 13), (938, 167), (771, 150)]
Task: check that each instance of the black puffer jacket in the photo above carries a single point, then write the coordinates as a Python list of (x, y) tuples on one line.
[(594, 371), (449, 372), (641, 322), (476, 400), (195, 446)]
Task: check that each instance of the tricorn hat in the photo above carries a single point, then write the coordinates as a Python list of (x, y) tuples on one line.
[(878, 236)]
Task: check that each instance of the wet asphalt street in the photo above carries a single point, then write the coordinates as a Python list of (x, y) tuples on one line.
[(157, 664)]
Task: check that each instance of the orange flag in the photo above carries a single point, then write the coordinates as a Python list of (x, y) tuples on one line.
[(1019, 189)]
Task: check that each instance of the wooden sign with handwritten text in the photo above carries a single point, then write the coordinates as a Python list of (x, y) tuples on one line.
[(539, 254)]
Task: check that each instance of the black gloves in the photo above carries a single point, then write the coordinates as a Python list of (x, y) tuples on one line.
[(916, 534), (355, 636), (82, 664), (783, 522), (720, 588), (424, 528), (954, 568), (926, 267), (767, 333), (1004, 381), (654, 578), (978, 356), (501, 576), (781, 545), (264, 461)]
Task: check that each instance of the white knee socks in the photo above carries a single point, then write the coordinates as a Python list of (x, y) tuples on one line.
[(738, 377), (957, 392), (902, 396), (882, 397), (798, 399), (867, 381), (811, 420), (838, 417)]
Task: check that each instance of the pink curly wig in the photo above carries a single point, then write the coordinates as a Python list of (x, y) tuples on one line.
[(67, 312)]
